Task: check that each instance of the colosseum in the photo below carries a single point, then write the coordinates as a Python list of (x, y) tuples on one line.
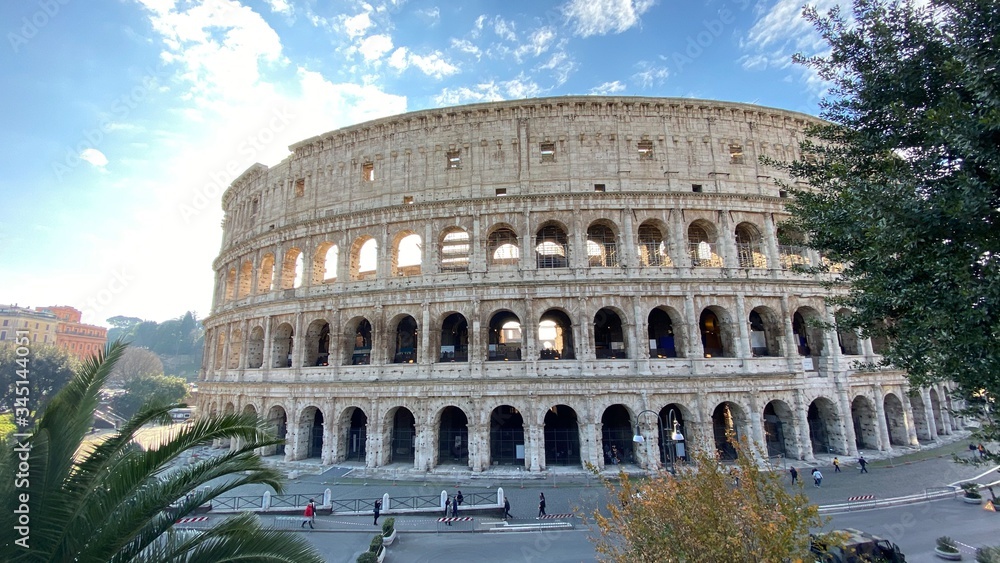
[(522, 285)]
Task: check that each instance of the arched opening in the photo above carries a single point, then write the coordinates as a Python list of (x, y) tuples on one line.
[(235, 349), (652, 246), (609, 338), (920, 423), (791, 249), (281, 348), (765, 332), (454, 339), (502, 248), (404, 436), (555, 336), (364, 258), (895, 420), (824, 427), (291, 269), (865, 423), (808, 336), (602, 247), (324, 268), (230, 284), (702, 245), (255, 348), (405, 348), (671, 450), (562, 436), (317, 344), (455, 250), (266, 275), (246, 280), (504, 337), (748, 247), (506, 436), (712, 337), (847, 336), (453, 437), (278, 422), (727, 423), (311, 426), (779, 430), (360, 344), (616, 436), (936, 412), (662, 341), (551, 247), (356, 435), (407, 257)]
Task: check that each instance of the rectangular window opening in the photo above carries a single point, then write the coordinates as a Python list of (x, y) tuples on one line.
[(300, 187), (736, 154), (454, 159), (407, 200), (696, 188), (645, 150), (548, 152), (501, 191), (368, 172), (598, 187), (782, 193)]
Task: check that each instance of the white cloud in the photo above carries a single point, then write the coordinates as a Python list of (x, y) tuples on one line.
[(466, 46), (374, 46), (94, 157), (561, 66), (504, 29), (432, 15), (358, 25), (601, 17), (432, 65), (280, 6), (539, 42), (607, 88), (489, 92), (650, 75)]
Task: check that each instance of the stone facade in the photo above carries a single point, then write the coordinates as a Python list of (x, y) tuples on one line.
[(528, 283), (79, 339)]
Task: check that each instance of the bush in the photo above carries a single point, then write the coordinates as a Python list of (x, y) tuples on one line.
[(388, 525), (367, 557), (947, 545), (376, 544), (971, 490), (988, 554)]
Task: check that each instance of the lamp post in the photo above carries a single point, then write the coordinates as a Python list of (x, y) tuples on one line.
[(676, 442)]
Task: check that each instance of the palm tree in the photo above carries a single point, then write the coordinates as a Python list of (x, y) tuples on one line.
[(109, 502)]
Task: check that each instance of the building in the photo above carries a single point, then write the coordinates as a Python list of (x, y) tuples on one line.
[(17, 322), (524, 284), (80, 340)]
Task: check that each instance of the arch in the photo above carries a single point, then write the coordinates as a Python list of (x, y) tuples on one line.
[(748, 246), (791, 248), (255, 348), (246, 280), (936, 411), (324, 266), (455, 250), (281, 347), (824, 427), (502, 247), (407, 255), (717, 338), (354, 425), (847, 336), (671, 450), (277, 421), (230, 284), (220, 347), (454, 339), (895, 420), (235, 349), (507, 437), (505, 337), (249, 409), (920, 423), (405, 341), (364, 258), (402, 439), (702, 245), (808, 335), (317, 343), (358, 342), (652, 246), (616, 435), (311, 433), (609, 337), (453, 437), (562, 436), (728, 421), (865, 423), (779, 430), (551, 247), (765, 332), (602, 246), (555, 336), (291, 269), (664, 342), (265, 276)]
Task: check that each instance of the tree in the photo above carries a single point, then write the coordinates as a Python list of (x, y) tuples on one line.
[(905, 184), (134, 363), (109, 502), (148, 389), (48, 369), (121, 327), (707, 512)]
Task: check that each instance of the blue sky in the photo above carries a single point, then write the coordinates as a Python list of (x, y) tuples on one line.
[(124, 120)]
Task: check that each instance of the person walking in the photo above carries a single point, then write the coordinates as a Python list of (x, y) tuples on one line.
[(447, 509), (794, 473), (506, 509), (836, 465), (541, 504), (310, 514), (378, 508), (863, 463), (817, 478), (455, 503)]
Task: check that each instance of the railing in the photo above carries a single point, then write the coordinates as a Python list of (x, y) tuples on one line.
[(294, 502), (238, 503), (413, 503), (792, 256), (704, 255), (750, 256)]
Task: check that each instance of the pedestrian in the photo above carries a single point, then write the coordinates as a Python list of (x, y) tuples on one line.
[(455, 503), (982, 451), (794, 473), (459, 499), (378, 508), (836, 465), (506, 509), (817, 478), (863, 463), (447, 509), (541, 504), (309, 514)]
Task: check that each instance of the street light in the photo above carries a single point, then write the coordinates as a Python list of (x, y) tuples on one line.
[(676, 442)]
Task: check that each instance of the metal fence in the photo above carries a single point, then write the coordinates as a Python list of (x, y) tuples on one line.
[(296, 501)]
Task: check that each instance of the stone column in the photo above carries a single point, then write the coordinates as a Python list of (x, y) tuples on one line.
[(584, 348), (727, 241), (424, 355), (771, 243), (590, 438), (477, 347), (478, 454), (638, 335), (742, 328), (330, 437), (626, 242), (846, 418), (424, 452), (298, 344), (245, 331), (911, 429), (534, 446), (428, 260), (268, 362), (803, 439), (883, 427), (925, 397), (678, 240), (529, 329), (791, 347), (692, 333)]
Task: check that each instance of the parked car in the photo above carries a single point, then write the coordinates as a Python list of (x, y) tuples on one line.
[(850, 545)]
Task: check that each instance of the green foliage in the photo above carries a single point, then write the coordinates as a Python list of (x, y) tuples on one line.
[(367, 557), (7, 426), (180, 338), (388, 525), (905, 184), (376, 544), (988, 554), (946, 544), (701, 515), (148, 389), (971, 490), (109, 502), (48, 369)]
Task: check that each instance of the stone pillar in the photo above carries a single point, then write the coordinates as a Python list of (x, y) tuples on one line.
[(846, 418), (429, 264), (727, 241), (424, 355), (590, 440), (244, 344), (692, 331), (742, 328), (583, 344), (330, 437), (638, 335), (911, 429), (478, 454), (268, 362), (678, 240), (925, 397), (529, 329), (534, 446), (790, 346), (298, 344), (883, 428), (757, 441), (804, 442), (477, 346), (425, 449), (771, 243), (626, 242)]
